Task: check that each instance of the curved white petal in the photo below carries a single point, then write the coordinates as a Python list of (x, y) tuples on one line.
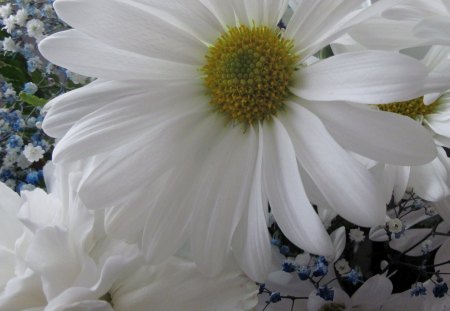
[(122, 121), (290, 205), (373, 293), (443, 208), (369, 77), (251, 240), (431, 181), (138, 162), (343, 181), (443, 255), (178, 285), (82, 54), (378, 135), (169, 217), (132, 26), (395, 181), (65, 110), (223, 11), (434, 28), (226, 178), (259, 12), (12, 229)]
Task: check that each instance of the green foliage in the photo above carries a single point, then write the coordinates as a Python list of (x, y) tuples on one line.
[(32, 99)]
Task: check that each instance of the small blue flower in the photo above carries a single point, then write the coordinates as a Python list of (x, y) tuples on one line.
[(276, 242), (304, 272), (262, 287), (284, 250), (440, 290), (289, 266), (326, 293), (14, 141), (354, 277), (33, 177), (418, 289), (274, 297), (321, 267), (30, 88)]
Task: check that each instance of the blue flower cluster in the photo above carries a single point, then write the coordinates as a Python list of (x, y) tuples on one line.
[(27, 82)]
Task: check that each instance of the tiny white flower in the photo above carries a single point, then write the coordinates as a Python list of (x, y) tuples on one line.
[(426, 246), (10, 92), (23, 162), (32, 153), (5, 11), (75, 77), (356, 235), (35, 29), (38, 124), (395, 225), (21, 17), (9, 24), (9, 45), (342, 266)]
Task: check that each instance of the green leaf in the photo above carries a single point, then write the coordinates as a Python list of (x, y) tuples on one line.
[(32, 100)]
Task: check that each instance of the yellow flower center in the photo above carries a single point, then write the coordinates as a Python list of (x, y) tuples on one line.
[(247, 73), (414, 108)]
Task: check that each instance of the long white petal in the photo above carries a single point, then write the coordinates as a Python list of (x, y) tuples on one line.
[(369, 77), (132, 26), (378, 135), (251, 240), (343, 181), (290, 205), (82, 54), (226, 178)]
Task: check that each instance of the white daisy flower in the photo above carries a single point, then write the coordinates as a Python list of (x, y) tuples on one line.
[(35, 29), (203, 114)]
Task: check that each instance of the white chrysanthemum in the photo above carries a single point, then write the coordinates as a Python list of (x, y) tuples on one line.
[(203, 113), (33, 153), (9, 24), (9, 45), (21, 17), (35, 29), (5, 10)]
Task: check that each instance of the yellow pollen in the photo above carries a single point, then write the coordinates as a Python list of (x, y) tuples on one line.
[(414, 108), (247, 73)]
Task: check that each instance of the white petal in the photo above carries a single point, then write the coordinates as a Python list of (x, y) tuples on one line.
[(369, 77), (190, 16), (226, 178), (431, 181), (328, 165), (132, 26), (68, 108), (164, 144), (194, 292), (395, 181), (338, 237), (265, 12), (223, 11), (251, 240), (316, 24), (82, 54), (121, 121), (372, 293), (382, 136), (290, 205), (443, 208), (12, 228), (167, 225), (23, 293), (434, 28), (442, 256)]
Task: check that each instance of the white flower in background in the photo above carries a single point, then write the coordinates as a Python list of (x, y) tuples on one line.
[(432, 110), (9, 45), (35, 29), (225, 131), (356, 235), (9, 24), (5, 10), (342, 266), (21, 17), (395, 225), (369, 297), (33, 153)]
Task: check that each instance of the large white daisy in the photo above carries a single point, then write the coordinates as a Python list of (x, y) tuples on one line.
[(202, 114)]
